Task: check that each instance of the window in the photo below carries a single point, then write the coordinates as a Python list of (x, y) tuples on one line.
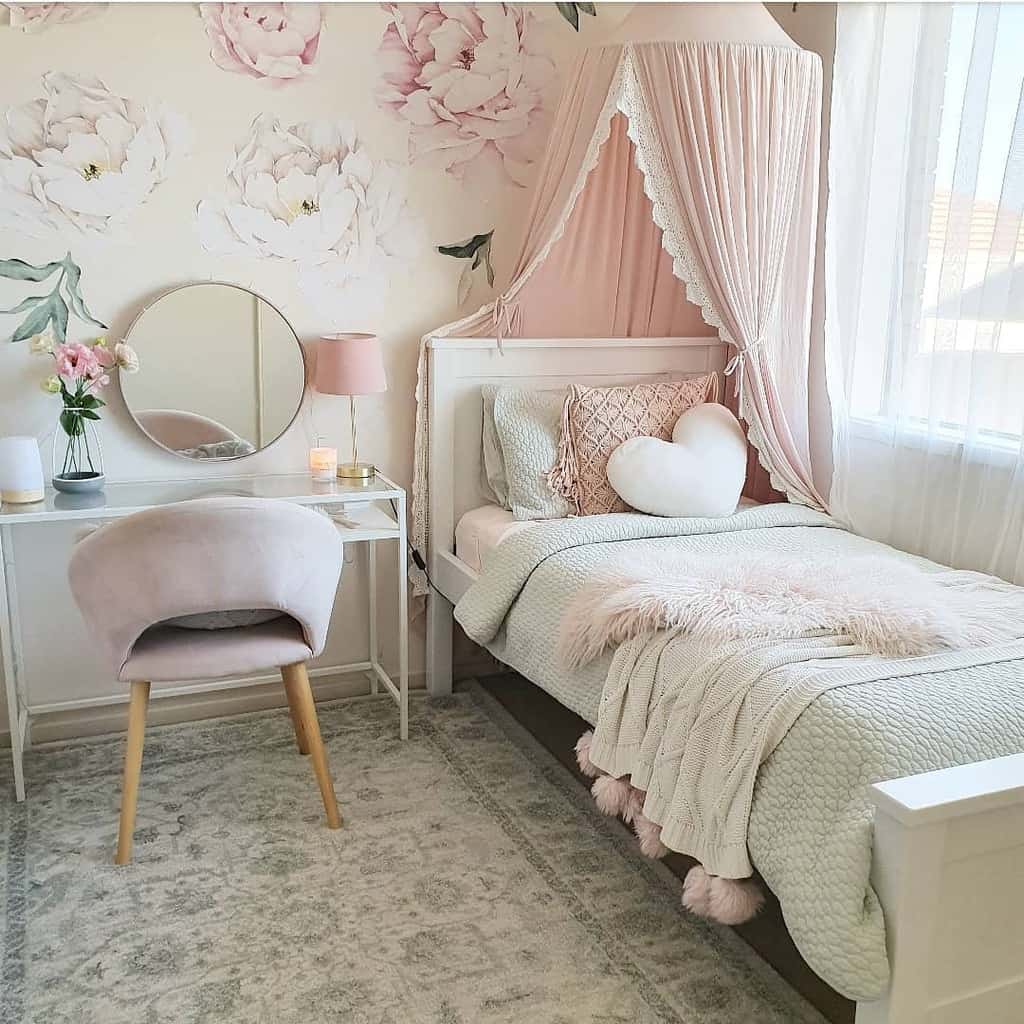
[(951, 354)]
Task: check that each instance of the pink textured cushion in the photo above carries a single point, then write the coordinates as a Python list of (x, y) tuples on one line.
[(596, 421)]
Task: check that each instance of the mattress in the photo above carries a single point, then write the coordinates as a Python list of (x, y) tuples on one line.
[(481, 530)]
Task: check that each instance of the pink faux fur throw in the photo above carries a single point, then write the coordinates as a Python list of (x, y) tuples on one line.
[(891, 608)]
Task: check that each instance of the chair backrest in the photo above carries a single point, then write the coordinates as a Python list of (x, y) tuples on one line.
[(207, 555)]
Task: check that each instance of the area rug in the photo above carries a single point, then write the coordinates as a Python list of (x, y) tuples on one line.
[(472, 882)]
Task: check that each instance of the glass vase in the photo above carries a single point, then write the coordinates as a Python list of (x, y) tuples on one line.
[(77, 453)]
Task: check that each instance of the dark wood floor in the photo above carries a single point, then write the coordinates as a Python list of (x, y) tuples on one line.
[(557, 728)]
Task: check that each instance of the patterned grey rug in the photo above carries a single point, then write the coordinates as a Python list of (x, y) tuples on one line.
[(472, 882)]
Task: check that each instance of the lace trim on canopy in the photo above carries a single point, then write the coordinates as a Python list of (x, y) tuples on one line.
[(659, 190)]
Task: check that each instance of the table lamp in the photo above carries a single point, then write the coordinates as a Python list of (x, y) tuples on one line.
[(351, 364), (21, 470)]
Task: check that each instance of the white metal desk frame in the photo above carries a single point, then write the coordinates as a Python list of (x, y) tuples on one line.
[(372, 524)]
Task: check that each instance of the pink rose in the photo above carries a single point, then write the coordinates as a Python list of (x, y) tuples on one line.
[(468, 79), (277, 42)]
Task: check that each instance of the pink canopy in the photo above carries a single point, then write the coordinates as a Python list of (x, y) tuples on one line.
[(678, 197)]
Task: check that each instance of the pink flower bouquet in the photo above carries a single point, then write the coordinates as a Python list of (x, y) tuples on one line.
[(81, 371)]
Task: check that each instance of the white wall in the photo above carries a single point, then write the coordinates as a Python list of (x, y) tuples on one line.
[(159, 54)]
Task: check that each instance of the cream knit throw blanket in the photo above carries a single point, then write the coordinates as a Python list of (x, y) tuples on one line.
[(718, 657)]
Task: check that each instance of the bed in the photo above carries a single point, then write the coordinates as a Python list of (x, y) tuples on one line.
[(939, 851)]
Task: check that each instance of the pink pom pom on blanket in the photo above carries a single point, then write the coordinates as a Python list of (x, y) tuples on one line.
[(649, 835), (726, 900), (587, 767), (696, 891), (611, 795)]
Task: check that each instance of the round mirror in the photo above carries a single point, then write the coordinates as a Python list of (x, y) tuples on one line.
[(221, 372)]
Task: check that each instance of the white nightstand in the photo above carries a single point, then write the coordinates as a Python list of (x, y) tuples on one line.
[(371, 513)]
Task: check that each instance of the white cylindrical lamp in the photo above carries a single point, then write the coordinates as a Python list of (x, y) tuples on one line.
[(21, 471)]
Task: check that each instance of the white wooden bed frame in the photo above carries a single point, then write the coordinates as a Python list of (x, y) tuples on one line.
[(948, 845)]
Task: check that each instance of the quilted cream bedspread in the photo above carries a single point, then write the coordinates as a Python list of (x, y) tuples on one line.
[(809, 831)]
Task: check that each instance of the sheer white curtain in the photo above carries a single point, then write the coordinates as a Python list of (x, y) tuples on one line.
[(924, 255)]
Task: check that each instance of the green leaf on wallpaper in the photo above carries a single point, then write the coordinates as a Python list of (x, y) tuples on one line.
[(35, 323), (19, 270), (467, 249), (48, 311), (571, 12), (476, 249), (73, 277), (24, 304), (59, 317)]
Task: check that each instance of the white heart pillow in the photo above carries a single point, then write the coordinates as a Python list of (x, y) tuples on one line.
[(700, 472)]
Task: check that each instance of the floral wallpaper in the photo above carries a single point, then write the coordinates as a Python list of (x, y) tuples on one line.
[(470, 87), (276, 42), (469, 81), (311, 195), (81, 158)]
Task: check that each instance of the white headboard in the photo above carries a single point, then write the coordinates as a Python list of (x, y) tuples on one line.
[(459, 366)]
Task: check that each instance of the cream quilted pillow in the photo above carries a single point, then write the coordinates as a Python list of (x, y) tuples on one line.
[(527, 423), (597, 420)]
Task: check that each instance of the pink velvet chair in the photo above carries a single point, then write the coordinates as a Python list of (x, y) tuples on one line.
[(274, 565)]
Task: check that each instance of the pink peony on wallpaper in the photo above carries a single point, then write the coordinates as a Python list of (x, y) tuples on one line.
[(469, 81), (311, 194), (82, 157), (275, 42)]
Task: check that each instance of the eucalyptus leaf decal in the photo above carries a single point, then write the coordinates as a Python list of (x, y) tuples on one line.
[(53, 309), (478, 251), (571, 12)]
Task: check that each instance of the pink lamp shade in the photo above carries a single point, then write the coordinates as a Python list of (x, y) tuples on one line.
[(350, 364)]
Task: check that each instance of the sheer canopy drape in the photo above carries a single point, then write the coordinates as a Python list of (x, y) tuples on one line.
[(726, 138), (925, 279)]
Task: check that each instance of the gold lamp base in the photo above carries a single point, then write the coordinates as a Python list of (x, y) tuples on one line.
[(363, 471)]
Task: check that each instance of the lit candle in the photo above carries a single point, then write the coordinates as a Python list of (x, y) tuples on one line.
[(323, 462)]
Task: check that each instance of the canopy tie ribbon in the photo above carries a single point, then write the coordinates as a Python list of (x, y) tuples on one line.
[(508, 319), (737, 362)]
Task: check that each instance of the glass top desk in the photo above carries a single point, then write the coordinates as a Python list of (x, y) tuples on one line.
[(364, 512)]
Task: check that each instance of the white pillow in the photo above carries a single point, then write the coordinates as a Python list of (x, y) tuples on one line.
[(700, 472)]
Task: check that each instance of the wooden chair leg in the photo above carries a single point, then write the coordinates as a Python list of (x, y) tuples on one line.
[(289, 676), (132, 769), (299, 681)]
